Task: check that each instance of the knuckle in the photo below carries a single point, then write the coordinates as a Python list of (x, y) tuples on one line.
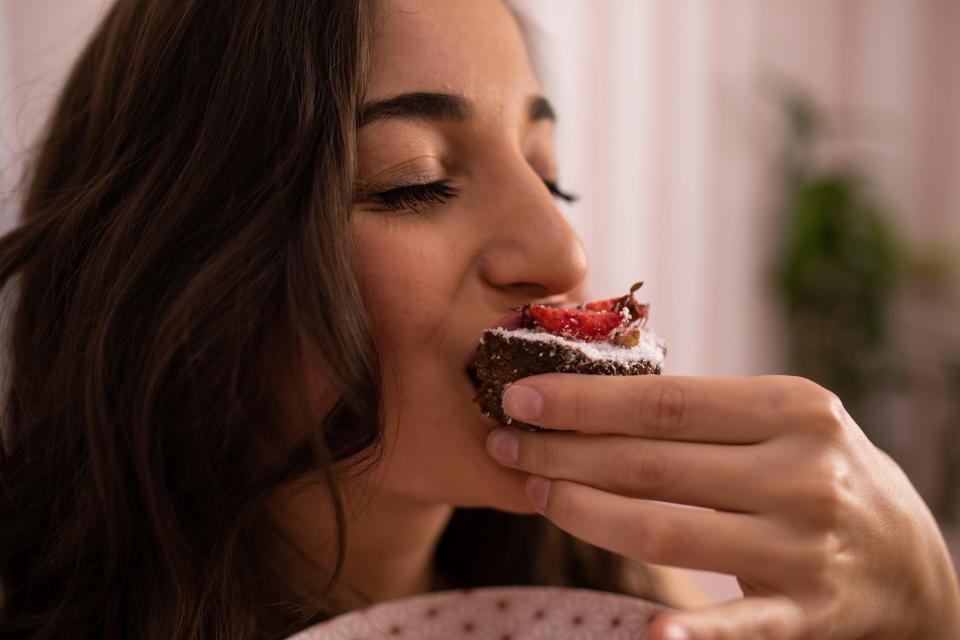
[(540, 456), (818, 410), (822, 560), (560, 504), (815, 569), (827, 415), (576, 409), (639, 469), (835, 498), (828, 499), (664, 406)]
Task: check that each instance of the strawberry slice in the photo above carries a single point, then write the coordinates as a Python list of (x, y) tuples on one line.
[(635, 309), (595, 320), (575, 323)]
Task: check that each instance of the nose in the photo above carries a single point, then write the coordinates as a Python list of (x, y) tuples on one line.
[(531, 251)]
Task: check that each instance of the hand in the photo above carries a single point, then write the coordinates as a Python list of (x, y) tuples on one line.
[(826, 535)]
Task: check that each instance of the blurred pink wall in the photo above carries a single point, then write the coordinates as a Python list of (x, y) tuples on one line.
[(668, 131), (38, 41)]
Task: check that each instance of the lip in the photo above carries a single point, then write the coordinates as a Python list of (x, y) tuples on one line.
[(510, 321)]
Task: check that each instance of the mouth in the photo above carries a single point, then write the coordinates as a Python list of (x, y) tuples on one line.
[(471, 372), (512, 320)]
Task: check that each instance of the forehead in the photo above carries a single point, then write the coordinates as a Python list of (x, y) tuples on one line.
[(470, 47)]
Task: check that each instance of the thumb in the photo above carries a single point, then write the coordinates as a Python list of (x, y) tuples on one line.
[(771, 618)]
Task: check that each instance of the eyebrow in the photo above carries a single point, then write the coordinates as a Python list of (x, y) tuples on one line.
[(424, 105), (417, 106)]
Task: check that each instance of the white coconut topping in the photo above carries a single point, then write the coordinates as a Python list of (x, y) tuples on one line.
[(651, 347)]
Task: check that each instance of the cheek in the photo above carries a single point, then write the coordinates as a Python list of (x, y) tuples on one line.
[(412, 278), (421, 297), (408, 285)]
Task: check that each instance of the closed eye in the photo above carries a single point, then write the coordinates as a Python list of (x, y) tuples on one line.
[(428, 194), (559, 193), (415, 196)]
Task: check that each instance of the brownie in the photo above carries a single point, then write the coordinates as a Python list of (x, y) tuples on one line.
[(505, 355)]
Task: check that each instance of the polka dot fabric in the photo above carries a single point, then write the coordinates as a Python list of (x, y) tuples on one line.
[(501, 613)]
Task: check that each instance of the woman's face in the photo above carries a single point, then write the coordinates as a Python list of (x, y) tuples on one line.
[(456, 225)]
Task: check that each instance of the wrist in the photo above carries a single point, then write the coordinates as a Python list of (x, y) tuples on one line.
[(936, 604), (943, 620)]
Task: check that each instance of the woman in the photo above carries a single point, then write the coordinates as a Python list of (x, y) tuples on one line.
[(259, 243)]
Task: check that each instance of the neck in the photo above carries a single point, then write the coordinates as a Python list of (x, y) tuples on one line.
[(389, 547)]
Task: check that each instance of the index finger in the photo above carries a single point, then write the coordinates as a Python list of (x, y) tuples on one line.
[(693, 409)]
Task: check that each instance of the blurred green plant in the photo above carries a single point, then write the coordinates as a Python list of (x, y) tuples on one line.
[(838, 268), (840, 271)]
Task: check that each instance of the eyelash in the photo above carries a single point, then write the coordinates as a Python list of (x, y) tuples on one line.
[(416, 195), (439, 192), (559, 193)]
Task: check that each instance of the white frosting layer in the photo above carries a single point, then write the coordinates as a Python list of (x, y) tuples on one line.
[(651, 348)]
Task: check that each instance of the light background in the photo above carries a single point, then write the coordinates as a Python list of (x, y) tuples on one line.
[(668, 131)]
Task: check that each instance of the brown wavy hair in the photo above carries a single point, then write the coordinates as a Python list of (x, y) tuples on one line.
[(183, 254)]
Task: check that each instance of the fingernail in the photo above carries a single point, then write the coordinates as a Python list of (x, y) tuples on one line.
[(539, 490), (522, 403), (503, 446), (676, 632)]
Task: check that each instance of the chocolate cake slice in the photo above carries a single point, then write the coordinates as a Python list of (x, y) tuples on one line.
[(606, 337)]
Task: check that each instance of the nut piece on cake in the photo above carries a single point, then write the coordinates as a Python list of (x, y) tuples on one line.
[(603, 337)]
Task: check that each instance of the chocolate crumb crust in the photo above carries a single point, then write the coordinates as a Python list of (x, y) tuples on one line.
[(501, 360)]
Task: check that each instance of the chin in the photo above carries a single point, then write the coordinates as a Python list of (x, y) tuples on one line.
[(436, 452)]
